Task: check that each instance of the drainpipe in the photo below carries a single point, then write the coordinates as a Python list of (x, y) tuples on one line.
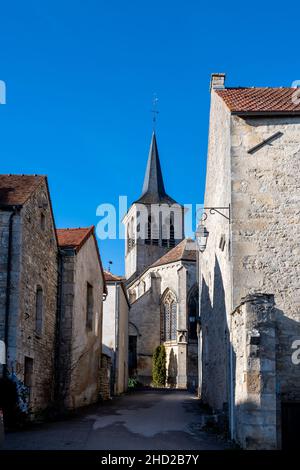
[(8, 287)]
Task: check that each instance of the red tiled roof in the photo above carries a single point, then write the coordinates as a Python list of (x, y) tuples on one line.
[(76, 238), (16, 189), (185, 250), (112, 277), (261, 100), (73, 237)]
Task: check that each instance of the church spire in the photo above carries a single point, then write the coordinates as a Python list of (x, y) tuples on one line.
[(153, 188)]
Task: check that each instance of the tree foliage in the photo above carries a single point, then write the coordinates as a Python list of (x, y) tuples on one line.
[(159, 366)]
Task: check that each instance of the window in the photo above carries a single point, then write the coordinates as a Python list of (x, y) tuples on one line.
[(43, 222), (148, 232), (193, 306), (28, 374), (128, 240), (39, 310), (28, 371), (172, 231), (169, 312), (89, 307)]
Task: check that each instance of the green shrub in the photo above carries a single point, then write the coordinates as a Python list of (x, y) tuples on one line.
[(159, 366), (132, 383)]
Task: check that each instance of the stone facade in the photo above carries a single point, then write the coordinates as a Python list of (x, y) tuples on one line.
[(147, 317), (105, 378), (115, 331), (80, 338), (33, 268), (257, 252)]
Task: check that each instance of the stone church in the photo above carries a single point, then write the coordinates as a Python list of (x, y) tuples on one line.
[(161, 282)]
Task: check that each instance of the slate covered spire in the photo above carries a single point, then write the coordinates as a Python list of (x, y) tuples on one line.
[(153, 187)]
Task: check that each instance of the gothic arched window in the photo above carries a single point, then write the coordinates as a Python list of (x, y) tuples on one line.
[(169, 314), (193, 313)]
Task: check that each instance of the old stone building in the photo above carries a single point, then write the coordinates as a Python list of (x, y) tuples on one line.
[(115, 331), (28, 286), (51, 299), (249, 270), (82, 288), (161, 282)]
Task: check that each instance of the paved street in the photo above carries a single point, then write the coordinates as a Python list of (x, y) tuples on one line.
[(167, 420)]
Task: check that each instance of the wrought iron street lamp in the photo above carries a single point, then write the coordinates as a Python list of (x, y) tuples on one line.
[(201, 237)]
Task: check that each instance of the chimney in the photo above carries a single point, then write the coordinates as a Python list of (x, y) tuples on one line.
[(217, 81)]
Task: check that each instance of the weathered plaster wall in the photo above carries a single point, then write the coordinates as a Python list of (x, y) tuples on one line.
[(85, 345), (122, 357), (266, 228), (215, 270), (115, 334)]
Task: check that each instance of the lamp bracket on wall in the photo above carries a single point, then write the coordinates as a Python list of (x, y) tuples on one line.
[(204, 212)]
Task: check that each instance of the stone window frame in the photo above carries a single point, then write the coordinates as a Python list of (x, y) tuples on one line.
[(169, 307), (89, 306), (43, 221)]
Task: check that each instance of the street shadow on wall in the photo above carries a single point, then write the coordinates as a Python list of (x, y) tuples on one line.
[(215, 343)]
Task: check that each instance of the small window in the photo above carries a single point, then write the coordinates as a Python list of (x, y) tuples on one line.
[(28, 371), (43, 222), (89, 307), (39, 310), (148, 235)]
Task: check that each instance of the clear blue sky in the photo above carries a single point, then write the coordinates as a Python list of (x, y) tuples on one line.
[(80, 78)]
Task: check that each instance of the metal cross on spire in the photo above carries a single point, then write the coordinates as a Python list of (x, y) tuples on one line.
[(154, 110)]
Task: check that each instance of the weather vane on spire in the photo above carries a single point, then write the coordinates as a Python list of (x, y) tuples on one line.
[(154, 110)]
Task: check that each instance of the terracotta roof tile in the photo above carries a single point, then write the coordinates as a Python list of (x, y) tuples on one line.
[(185, 250), (73, 237), (261, 100), (16, 189), (112, 277)]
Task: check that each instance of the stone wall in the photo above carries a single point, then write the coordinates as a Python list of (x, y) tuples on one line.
[(38, 268), (115, 334), (145, 314), (122, 357), (83, 345), (214, 264), (254, 347), (261, 250), (33, 265), (105, 378), (266, 228), (5, 217)]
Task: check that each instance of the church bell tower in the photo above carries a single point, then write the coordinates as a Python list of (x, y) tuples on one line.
[(154, 223)]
